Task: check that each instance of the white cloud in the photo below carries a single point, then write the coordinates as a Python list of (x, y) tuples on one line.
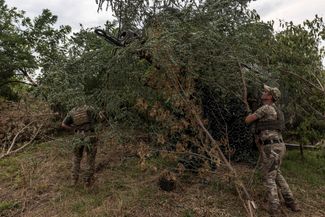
[(69, 12), (74, 13), (85, 11), (289, 10), (266, 7)]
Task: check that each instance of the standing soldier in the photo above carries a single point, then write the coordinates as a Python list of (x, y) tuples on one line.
[(81, 120), (269, 124)]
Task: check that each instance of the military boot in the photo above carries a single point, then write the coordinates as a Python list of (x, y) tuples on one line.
[(74, 180), (293, 206), (275, 212), (89, 181)]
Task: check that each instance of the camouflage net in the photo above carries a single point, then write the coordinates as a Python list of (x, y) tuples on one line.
[(226, 123)]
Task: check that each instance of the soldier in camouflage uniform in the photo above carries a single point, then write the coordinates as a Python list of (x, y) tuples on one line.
[(81, 120), (269, 123)]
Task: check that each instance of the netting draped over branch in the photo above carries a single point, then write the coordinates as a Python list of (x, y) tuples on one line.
[(221, 47), (203, 53), (176, 82)]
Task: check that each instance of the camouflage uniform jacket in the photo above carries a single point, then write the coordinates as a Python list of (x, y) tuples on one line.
[(272, 156), (266, 113), (90, 126), (84, 140)]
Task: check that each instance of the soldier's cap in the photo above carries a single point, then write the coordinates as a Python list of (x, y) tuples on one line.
[(274, 91)]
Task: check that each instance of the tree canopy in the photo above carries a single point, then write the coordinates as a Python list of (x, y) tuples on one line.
[(27, 46), (219, 49), (185, 83)]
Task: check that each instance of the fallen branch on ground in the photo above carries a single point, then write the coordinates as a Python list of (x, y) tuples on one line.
[(16, 136), (22, 147)]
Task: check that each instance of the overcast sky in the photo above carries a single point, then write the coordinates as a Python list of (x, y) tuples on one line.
[(71, 12), (289, 10)]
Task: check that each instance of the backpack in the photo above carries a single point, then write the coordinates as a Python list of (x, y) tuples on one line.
[(81, 116)]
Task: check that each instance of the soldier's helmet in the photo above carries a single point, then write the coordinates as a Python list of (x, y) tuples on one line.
[(274, 91)]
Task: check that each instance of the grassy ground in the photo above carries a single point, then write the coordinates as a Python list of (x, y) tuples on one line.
[(37, 183)]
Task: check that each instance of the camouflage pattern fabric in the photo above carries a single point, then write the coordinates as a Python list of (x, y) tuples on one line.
[(84, 142), (80, 116), (273, 180), (274, 91), (271, 160), (267, 113), (88, 126)]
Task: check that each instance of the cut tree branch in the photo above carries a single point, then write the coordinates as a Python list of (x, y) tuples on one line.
[(242, 75), (305, 80), (16, 136), (14, 81), (25, 73), (24, 146), (249, 205)]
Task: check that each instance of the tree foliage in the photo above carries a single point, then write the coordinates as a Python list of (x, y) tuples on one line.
[(226, 47), (297, 61), (27, 46), (196, 65), (187, 50), (76, 77)]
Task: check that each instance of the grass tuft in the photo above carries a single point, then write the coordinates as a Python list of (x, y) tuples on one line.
[(310, 170)]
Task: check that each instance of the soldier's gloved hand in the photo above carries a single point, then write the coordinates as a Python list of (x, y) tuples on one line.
[(101, 115)]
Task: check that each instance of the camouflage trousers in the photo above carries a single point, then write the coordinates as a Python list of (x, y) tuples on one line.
[(273, 180), (84, 142)]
